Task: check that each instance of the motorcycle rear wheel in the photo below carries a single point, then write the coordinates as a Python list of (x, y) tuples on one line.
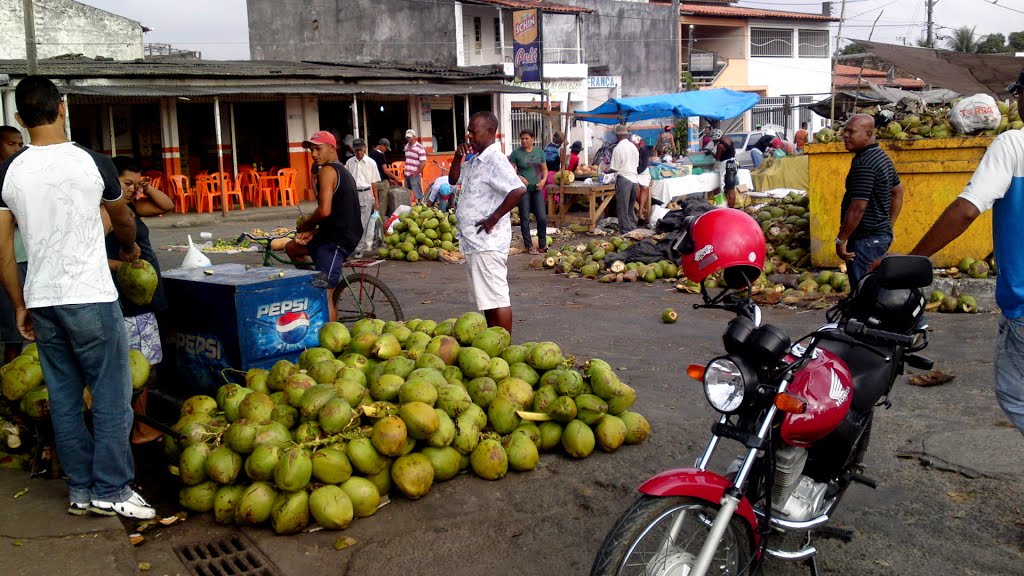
[(640, 544)]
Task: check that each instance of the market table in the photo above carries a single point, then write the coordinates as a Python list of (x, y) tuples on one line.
[(668, 188), (594, 193)]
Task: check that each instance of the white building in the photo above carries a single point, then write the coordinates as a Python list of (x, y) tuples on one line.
[(68, 27)]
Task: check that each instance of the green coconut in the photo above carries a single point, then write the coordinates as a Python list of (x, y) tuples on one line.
[(198, 498), (262, 461), (290, 512), (488, 460), (578, 439), (330, 466), (413, 475), (331, 507), (294, 470), (363, 494), (256, 504)]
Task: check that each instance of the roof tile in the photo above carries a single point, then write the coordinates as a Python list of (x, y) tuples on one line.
[(742, 12)]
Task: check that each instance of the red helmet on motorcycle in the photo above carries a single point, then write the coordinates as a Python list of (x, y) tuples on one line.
[(724, 239)]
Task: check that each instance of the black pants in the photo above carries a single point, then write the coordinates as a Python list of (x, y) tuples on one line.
[(625, 197), (533, 201)]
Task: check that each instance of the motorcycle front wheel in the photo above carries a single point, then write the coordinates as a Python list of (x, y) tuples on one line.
[(662, 536)]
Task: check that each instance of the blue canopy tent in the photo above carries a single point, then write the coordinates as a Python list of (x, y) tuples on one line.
[(717, 104)]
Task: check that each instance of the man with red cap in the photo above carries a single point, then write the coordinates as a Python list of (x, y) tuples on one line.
[(330, 234)]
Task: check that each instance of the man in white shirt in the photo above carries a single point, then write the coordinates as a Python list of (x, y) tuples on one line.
[(54, 188), (997, 185), (490, 190), (366, 174), (625, 161)]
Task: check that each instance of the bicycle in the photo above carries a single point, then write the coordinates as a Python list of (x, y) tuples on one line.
[(362, 296)]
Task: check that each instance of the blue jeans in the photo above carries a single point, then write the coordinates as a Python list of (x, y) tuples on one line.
[(415, 183), (866, 249), (80, 345), (1010, 369), (533, 202)]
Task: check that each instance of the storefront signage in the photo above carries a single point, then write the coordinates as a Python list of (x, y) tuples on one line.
[(702, 62), (603, 81), (526, 45), (576, 89)]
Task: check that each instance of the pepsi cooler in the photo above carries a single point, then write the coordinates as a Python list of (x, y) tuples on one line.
[(233, 316)]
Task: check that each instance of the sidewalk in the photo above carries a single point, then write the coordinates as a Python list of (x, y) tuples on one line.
[(250, 214), (38, 536)]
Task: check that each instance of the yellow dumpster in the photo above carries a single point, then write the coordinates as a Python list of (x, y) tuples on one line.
[(933, 172)]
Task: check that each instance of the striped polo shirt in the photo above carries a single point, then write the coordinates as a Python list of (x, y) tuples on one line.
[(415, 156), (872, 177)]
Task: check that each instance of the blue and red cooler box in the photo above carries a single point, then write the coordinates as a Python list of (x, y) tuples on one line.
[(231, 316)]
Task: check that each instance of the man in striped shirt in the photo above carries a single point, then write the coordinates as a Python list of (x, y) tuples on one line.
[(871, 205), (415, 162)]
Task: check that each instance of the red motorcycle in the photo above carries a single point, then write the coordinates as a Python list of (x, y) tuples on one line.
[(803, 412)]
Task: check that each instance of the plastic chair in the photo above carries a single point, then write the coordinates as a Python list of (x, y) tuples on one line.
[(204, 193), (286, 186), (230, 190), (248, 185), (181, 193), (266, 189)]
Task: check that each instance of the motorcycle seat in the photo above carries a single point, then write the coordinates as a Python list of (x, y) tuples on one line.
[(872, 375)]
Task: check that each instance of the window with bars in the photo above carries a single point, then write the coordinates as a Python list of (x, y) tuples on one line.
[(497, 36), (771, 42), (478, 35), (813, 44)]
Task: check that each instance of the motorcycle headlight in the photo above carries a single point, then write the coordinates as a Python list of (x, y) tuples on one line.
[(726, 384)]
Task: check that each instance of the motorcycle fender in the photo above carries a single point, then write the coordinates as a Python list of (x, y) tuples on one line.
[(700, 484)]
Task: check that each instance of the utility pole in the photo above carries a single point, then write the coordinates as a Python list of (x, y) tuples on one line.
[(30, 38), (928, 39), (677, 44)]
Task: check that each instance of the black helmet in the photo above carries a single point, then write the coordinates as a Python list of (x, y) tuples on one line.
[(890, 309)]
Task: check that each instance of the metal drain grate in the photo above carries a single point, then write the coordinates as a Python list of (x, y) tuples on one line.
[(232, 555)]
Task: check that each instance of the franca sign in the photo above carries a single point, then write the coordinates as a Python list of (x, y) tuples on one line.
[(526, 44)]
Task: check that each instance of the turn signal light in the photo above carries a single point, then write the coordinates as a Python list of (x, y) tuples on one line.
[(695, 371), (789, 403)]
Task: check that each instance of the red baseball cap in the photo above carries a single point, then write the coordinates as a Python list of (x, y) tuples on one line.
[(321, 137)]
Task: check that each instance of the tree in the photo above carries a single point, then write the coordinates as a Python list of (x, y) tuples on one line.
[(963, 40), (853, 48), (1017, 41), (992, 44)]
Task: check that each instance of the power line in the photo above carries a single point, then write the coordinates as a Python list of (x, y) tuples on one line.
[(996, 3)]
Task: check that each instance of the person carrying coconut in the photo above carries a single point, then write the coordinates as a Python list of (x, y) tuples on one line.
[(139, 321), (490, 190), (54, 188), (997, 185)]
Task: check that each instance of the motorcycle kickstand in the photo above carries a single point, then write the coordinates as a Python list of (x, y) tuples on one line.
[(811, 562)]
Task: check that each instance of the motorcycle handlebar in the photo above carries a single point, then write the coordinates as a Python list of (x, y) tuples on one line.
[(859, 330)]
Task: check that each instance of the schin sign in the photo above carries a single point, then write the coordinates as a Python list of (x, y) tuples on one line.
[(526, 45)]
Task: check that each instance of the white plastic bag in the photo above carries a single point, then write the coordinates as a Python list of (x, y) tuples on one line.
[(975, 113), (194, 258)]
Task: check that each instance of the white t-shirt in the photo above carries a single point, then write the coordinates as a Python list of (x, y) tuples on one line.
[(55, 193), (626, 160), (364, 171), (486, 180)]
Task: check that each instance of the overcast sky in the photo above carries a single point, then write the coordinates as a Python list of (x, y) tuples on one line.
[(219, 28)]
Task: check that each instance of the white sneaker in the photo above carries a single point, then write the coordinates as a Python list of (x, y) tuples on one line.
[(134, 507)]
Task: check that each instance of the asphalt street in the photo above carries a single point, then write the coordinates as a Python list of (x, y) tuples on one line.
[(948, 463)]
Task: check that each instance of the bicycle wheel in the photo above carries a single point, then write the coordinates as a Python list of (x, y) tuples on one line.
[(364, 296)]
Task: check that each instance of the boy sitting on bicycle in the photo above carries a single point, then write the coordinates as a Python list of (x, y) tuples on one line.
[(332, 231)]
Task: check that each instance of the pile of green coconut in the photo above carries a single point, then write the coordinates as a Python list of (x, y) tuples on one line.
[(390, 408), (593, 261)]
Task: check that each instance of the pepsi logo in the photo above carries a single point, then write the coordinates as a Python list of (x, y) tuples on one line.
[(292, 327)]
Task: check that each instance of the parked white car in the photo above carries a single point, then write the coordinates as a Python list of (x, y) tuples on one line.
[(744, 141)]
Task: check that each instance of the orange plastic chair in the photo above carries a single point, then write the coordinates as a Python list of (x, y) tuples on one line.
[(286, 186), (181, 193), (230, 191), (205, 189), (248, 185), (266, 189)]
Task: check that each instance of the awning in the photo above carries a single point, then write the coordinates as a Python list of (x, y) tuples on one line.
[(185, 90), (717, 104), (958, 71)]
